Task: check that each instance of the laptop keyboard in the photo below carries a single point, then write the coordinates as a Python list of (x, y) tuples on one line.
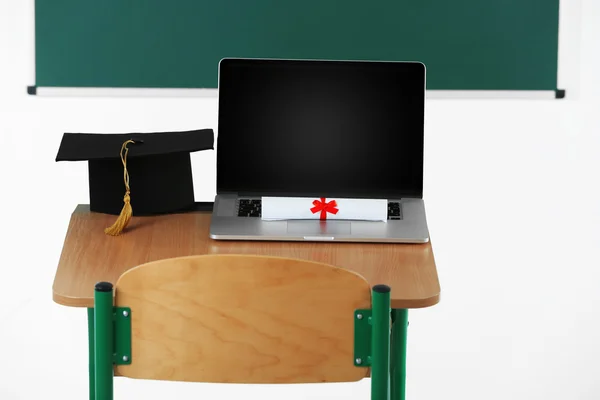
[(253, 208), (249, 208), (394, 210)]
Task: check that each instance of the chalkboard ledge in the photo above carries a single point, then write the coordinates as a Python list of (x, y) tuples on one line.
[(213, 93), (55, 91)]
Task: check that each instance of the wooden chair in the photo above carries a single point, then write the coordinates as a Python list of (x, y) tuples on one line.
[(244, 319)]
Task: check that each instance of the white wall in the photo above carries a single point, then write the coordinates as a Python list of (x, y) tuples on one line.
[(511, 189)]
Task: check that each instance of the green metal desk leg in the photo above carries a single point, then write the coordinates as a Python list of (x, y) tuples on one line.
[(103, 340), (380, 343), (90, 315), (398, 362)]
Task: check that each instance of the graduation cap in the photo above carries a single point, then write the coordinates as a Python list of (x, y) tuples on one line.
[(137, 173)]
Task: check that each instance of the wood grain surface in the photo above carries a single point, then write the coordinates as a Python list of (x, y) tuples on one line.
[(242, 319), (90, 256)]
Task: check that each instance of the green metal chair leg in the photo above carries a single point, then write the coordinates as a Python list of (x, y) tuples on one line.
[(103, 340), (380, 345), (398, 361), (90, 316)]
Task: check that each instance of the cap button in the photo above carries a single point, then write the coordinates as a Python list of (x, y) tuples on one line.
[(103, 287)]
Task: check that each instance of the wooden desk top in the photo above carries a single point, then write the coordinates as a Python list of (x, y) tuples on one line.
[(90, 256)]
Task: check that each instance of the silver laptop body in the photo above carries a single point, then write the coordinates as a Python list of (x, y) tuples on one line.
[(345, 129)]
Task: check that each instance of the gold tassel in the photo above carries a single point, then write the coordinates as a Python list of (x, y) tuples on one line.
[(127, 211)]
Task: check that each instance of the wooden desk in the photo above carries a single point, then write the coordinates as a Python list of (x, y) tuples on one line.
[(89, 256)]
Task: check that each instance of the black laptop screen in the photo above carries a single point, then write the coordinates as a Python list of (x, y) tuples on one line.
[(320, 128)]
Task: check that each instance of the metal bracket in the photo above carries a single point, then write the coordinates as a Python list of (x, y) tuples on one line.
[(122, 339), (362, 337)]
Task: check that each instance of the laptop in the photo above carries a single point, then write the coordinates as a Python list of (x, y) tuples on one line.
[(316, 128)]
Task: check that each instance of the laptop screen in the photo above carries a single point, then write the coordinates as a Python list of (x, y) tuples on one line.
[(320, 128)]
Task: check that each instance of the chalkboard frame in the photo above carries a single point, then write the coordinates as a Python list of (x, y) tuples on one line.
[(42, 90)]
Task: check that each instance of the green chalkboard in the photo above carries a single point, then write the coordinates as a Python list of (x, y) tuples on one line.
[(465, 44)]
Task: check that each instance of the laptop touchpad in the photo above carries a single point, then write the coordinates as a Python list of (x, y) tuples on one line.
[(319, 227)]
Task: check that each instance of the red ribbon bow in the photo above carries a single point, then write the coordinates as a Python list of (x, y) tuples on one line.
[(324, 207)]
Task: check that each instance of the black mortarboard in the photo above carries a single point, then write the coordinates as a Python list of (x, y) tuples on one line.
[(158, 164)]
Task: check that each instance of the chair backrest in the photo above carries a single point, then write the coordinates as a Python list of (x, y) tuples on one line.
[(240, 318)]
